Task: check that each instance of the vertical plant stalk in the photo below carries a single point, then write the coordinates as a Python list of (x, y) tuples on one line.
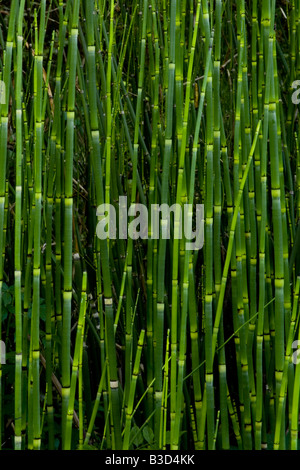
[(296, 390), (177, 398), (18, 244), (4, 107), (159, 319), (130, 403), (262, 268), (68, 217), (38, 157), (136, 150), (76, 360), (50, 320), (218, 214), (152, 200), (209, 263), (285, 376), (279, 281)]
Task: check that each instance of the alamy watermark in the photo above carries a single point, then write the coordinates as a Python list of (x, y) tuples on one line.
[(2, 353), (296, 354), (185, 222), (2, 92), (295, 95)]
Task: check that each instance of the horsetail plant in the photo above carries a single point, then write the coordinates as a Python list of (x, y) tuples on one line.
[(121, 338)]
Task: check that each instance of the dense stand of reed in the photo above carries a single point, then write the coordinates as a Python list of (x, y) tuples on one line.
[(138, 342)]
